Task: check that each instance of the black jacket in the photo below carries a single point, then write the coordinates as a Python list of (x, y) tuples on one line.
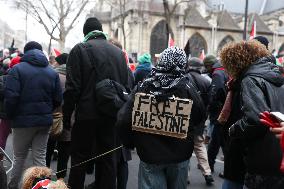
[(202, 85), (104, 61), (261, 90), (159, 149), (218, 92)]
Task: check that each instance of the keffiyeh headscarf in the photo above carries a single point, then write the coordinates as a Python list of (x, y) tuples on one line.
[(169, 70)]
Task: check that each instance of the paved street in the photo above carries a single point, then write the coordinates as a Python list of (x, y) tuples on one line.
[(196, 179)]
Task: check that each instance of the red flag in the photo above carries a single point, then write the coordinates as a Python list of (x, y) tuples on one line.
[(171, 42), (202, 55), (253, 30), (56, 52)]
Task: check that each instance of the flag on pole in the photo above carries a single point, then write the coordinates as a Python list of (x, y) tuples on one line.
[(202, 55), (55, 52), (171, 42), (253, 30)]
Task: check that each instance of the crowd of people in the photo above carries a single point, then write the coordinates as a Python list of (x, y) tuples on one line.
[(90, 106)]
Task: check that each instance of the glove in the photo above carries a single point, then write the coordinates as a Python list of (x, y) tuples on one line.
[(270, 121)]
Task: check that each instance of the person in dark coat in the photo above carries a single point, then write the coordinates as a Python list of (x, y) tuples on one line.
[(194, 70), (217, 96), (143, 69), (32, 92), (88, 63), (163, 159), (254, 154)]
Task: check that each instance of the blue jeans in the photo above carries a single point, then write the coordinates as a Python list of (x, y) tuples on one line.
[(166, 176), (227, 184)]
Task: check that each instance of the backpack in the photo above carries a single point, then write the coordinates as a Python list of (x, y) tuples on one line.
[(109, 94)]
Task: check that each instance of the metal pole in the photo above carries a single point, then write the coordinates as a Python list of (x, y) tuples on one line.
[(245, 24)]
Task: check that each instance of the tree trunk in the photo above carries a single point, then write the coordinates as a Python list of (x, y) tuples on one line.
[(124, 36), (62, 43)]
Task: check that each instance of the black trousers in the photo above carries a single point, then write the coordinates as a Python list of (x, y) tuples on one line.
[(64, 150), (122, 174), (51, 144), (100, 136), (217, 141)]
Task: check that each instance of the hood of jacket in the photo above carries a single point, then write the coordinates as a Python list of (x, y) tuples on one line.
[(35, 57), (217, 65), (146, 66), (266, 69)]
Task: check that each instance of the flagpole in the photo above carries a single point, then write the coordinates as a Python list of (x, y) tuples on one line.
[(245, 24)]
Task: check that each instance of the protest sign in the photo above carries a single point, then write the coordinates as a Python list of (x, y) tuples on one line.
[(169, 118)]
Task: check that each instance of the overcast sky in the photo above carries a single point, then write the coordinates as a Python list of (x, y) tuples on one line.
[(16, 20)]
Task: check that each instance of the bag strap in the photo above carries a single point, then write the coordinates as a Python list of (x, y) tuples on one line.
[(94, 73), (193, 81)]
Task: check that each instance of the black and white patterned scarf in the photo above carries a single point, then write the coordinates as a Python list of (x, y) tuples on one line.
[(169, 70)]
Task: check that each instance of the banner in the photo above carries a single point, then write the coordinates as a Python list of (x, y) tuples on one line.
[(169, 118)]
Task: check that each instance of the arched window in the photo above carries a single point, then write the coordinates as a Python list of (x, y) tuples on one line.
[(196, 44), (159, 38), (225, 40)]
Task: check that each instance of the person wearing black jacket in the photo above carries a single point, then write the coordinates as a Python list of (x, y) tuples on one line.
[(217, 96), (253, 149), (88, 63), (194, 69), (164, 159)]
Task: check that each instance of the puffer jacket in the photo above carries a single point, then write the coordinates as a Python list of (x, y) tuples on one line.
[(32, 91), (261, 90), (158, 149)]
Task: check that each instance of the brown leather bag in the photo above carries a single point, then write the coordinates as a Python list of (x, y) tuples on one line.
[(57, 126)]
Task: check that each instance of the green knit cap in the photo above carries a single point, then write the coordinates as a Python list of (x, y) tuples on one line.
[(210, 60), (145, 58)]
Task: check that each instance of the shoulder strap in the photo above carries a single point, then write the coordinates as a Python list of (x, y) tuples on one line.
[(87, 46), (193, 81)]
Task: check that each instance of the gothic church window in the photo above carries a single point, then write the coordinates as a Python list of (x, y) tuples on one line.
[(197, 43), (225, 40)]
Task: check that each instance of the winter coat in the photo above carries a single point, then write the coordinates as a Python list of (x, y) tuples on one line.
[(261, 89), (202, 85), (141, 72), (158, 149), (218, 92), (105, 59), (32, 91)]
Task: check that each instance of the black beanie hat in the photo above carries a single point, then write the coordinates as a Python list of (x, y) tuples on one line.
[(62, 59), (32, 45), (92, 24), (262, 40)]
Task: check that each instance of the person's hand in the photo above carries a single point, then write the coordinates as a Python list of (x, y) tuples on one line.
[(278, 131)]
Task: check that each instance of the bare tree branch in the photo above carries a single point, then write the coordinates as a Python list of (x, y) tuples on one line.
[(56, 7), (76, 17), (53, 20)]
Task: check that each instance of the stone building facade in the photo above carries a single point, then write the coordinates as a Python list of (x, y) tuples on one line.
[(194, 25)]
